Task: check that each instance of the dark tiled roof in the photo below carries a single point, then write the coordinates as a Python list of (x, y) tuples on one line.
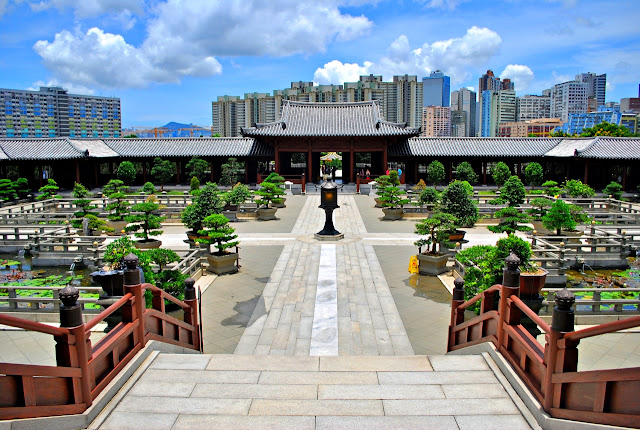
[(619, 148), (40, 149), (189, 147), (331, 119), (473, 147)]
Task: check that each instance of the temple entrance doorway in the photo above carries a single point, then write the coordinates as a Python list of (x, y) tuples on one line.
[(331, 167)]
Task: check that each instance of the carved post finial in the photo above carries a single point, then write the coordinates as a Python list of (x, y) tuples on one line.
[(563, 314), (511, 272), (458, 290), (189, 290), (71, 310)]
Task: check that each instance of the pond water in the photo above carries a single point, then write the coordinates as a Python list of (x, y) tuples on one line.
[(18, 269)]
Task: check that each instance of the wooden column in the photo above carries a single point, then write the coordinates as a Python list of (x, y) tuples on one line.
[(144, 171), (450, 170), (624, 178), (96, 167), (385, 162), (484, 172), (277, 160), (351, 163), (40, 174), (211, 167), (178, 166), (309, 163), (77, 171)]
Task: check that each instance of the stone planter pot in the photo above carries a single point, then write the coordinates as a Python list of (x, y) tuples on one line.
[(280, 205), (266, 214), (432, 264), (457, 236), (193, 236), (117, 227), (148, 244), (232, 216), (532, 282), (221, 264), (392, 214), (378, 202)]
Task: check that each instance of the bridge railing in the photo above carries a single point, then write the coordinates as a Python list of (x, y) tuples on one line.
[(84, 370), (550, 372)]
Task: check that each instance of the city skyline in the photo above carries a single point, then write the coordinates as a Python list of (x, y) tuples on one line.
[(168, 62)]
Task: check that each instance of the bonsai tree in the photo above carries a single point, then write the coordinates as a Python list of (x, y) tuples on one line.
[(551, 188), (512, 193), (218, 232), (559, 217), (82, 203), (270, 190), (210, 201), (464, 172), (436, 229), (197, 167), (500, 173), (49, 191), (162, 171), (575, 188), (118, 206), (456, 201), (390, 194), (22, 187), (7, 190), (239, 194), (613, 189), (539, 207), (420, 186), (162, 257), (435, 173), (148, 188), (144, 222), (230, 172), (429, 196), (126, 172), (533, 174), (96, 224)]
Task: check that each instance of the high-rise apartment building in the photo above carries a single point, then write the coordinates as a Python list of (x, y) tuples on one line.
[(436, 89), (630, 104), (533, 107), (489, 82), (596, 89), (52, 112), (459, 123), (579, 121), (568, 98), (541, 127), (436, 121), (464, 100), (400, 101), (497, 107)]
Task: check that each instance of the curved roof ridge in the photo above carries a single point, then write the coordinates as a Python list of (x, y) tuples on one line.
[(329, 104)]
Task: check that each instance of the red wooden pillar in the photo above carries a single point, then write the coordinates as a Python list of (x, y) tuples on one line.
[(304, 183), (351, 163), (309, 164), (277, 160), (358, 183), (457, 317), (385, 162)]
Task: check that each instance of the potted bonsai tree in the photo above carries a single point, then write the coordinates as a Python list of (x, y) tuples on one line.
[(49, 191), (512, 193), (217, 231), (559, 217), (436, 229), (82, 203), (118, 205), (269, 193), (277, 180), (145, 223), (234, 197), (456, 201), (96, 226), (210, 201), (391, 197)]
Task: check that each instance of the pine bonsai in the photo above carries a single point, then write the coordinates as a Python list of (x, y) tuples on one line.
[(144, 222), (126, 172), (82, 203), (575, 188), (270, 190), (230, 171), (559, 217), (197, 167), (49, 191), (239, 194), (7, 190), (389, 192), (500, 173), (118, 206), (465, 172), (217, 231), (162, 171), (435, 173), (210, 201), (194, 185), (613, 189), (437, 230), (455, 200), (533, 174), (22, 187), (148, 188)]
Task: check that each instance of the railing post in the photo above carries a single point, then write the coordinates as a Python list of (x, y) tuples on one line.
[(191, 314), (74, 350), (135, 310), (510, 287), (559, 356), (457, 299), (304, 184), (534, 238), (562, 265)]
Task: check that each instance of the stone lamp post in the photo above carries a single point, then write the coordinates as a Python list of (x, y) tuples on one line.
[(329, 202)]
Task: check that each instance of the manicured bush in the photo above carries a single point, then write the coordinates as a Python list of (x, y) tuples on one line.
[(218, 232), (197, 167), (533, 174), (512, 192), (126, 172), (539, 207), (575, 188), (559, 217), (149, 188), (240, 193), (436, 229), (195, 184), (49, 191), (7, 190), (230, 171), (210, 201), (613, 189), (455, 200), (465, 172), (551, 188), (82, 203), (162, 171), (435, 173), (429, 196), (118, 205), (145, 223), (500, 173)]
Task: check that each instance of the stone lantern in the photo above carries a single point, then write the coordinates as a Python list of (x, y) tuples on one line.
[(329, 202)]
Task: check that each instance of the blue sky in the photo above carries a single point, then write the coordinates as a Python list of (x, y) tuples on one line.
[(167, 60)]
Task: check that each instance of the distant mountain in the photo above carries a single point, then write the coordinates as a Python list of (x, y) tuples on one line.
[(176, 125)]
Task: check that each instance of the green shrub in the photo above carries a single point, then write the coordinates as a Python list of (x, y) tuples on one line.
[(551, 188), (197, 167), (559, 217), (195, 184), (149, 188), (126, 172), (218, 232), (455, 200), (575, 188), (500, 173), (162, 171), (512, 192), (465, 172), (613, 189), (435, 173), (533, 174), (49, 191), (428, 196)]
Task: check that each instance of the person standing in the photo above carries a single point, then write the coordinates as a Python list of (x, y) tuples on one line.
[(333, 173)]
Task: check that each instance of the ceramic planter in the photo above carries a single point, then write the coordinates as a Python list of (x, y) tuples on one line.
[(117, 227), (281, 204), (392, 214), (456, 236), (432, 264), (148, 244), (532, 282), (266, 214), (221, 264)]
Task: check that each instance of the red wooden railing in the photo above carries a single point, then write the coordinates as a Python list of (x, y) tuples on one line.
[(550, 372), (83, 370)]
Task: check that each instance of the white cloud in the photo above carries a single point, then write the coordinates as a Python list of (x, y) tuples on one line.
[(443, 4), (456, 57), (336, 72), (91, 8), (71, 88), (3, 6), (185, 37), (520, 75)]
